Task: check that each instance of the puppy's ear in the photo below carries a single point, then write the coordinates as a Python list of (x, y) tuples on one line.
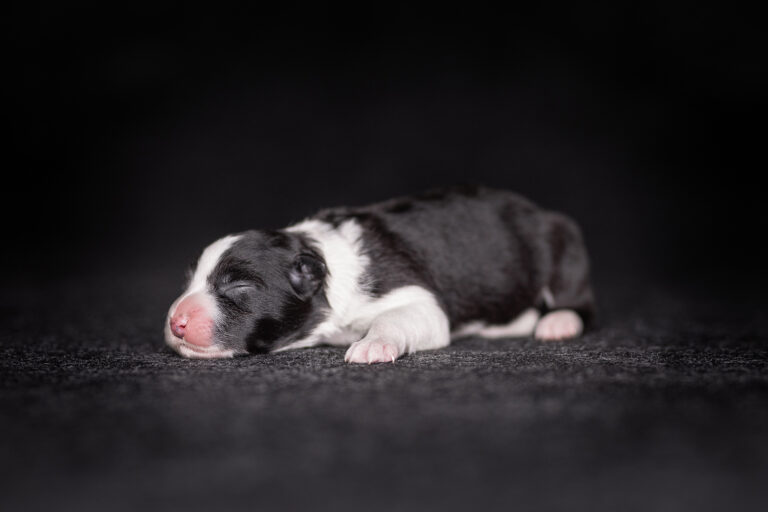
[(306, 275)]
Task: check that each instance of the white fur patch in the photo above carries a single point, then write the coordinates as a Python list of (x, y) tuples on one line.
[(208, 261), (193, 352), (341, 249), (521, 326)]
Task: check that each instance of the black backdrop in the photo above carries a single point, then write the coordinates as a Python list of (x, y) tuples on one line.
[(138, 136)]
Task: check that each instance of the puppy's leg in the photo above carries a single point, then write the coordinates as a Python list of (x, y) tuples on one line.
[(568, 296), (419, 326)]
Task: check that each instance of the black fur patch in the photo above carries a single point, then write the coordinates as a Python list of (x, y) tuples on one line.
[(486, 254), (260, 308)]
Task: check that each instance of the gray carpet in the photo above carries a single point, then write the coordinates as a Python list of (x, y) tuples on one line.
[(665, 407)]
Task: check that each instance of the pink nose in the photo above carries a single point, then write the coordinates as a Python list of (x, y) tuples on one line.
[(193, 321), (178, 325)]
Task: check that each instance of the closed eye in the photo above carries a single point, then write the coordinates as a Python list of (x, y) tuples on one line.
[(241, 277), (237, 287), (239, 295)]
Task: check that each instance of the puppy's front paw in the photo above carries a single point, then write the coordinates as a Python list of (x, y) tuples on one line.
[(372, 351), (559, 325)]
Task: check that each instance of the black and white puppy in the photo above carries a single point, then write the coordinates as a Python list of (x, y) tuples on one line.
[(389, 279)]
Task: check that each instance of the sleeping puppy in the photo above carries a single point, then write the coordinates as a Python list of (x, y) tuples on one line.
[(389, 279)]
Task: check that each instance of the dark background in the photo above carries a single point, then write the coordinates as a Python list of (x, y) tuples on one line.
[(139, 134), (142, 134)]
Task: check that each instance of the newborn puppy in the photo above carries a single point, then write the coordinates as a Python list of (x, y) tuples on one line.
[(389, 279)]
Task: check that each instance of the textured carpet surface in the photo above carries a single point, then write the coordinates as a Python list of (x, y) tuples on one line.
[(665, 407)]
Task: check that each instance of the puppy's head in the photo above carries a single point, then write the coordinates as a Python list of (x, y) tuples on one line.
[(252, 292)]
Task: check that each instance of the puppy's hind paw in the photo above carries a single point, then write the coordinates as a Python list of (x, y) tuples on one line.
[(372, 351), (559, 325)]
